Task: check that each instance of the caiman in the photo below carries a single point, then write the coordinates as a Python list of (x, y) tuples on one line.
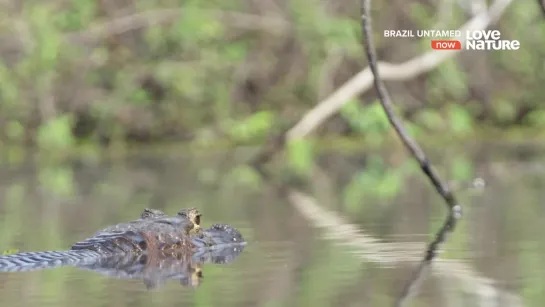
[(156, 267), (154, 233)]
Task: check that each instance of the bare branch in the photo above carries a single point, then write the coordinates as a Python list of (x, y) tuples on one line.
[(384, 98), (454, 208), (396, 122)]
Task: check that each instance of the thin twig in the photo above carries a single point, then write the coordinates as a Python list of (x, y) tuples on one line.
[(455, 209), (386, 103)]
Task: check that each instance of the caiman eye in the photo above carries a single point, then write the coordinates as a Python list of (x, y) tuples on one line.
[(198, 220)]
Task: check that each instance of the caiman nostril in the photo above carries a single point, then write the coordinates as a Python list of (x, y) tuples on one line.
[(198, 220)]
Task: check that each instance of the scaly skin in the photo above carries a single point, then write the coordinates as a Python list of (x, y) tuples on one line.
[(154, 232), (216, 234)]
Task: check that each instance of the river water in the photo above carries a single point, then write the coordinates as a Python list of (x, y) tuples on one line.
[(305, 247)]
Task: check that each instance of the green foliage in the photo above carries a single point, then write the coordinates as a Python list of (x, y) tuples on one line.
[(15, 130), (197, 26), (56, 134), (366, 119), (48, 39), (81, 14), (460, 120), (431, 119), (504, 110), (255, 126), (536, 118), (300, 153), (450, 79), (246, 176), (9, 92), (346, 33), (211, 68), (376, 181), (369, 120), (422, 15), (461, 169), (454, 119)]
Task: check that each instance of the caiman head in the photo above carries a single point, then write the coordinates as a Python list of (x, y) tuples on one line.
[(189, 214)]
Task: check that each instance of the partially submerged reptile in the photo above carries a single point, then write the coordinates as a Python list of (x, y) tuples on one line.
[(156, 268), (154, 233)]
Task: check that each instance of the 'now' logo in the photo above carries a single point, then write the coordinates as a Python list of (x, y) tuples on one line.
[(446, 44)]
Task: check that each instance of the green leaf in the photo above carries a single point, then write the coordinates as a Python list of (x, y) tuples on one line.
[(300, 155), (48, 38), (56, 134), (254, 126), (389, 185), (431, 119), (536, 118), (462, 169), (247, 176), (354, 194), (15, 130), (452, 78), (460, 119), (504, 109), (140, 97), (197, 26), (367, 119)]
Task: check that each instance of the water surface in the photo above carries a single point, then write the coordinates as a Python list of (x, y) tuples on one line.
[(493, 259)]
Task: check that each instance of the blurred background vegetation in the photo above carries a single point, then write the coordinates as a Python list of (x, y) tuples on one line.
[(82, 77), (79, 73)]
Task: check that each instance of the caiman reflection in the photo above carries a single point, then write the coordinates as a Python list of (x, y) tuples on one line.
[(155, 247), (156, 269)]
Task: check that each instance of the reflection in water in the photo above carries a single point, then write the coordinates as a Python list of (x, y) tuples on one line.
[(414, 283), (154, 232), (155, 247), (373, 249), (315, 248), (155, 270)]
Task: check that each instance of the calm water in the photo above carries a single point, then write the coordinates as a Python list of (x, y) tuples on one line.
[(297, 254)]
